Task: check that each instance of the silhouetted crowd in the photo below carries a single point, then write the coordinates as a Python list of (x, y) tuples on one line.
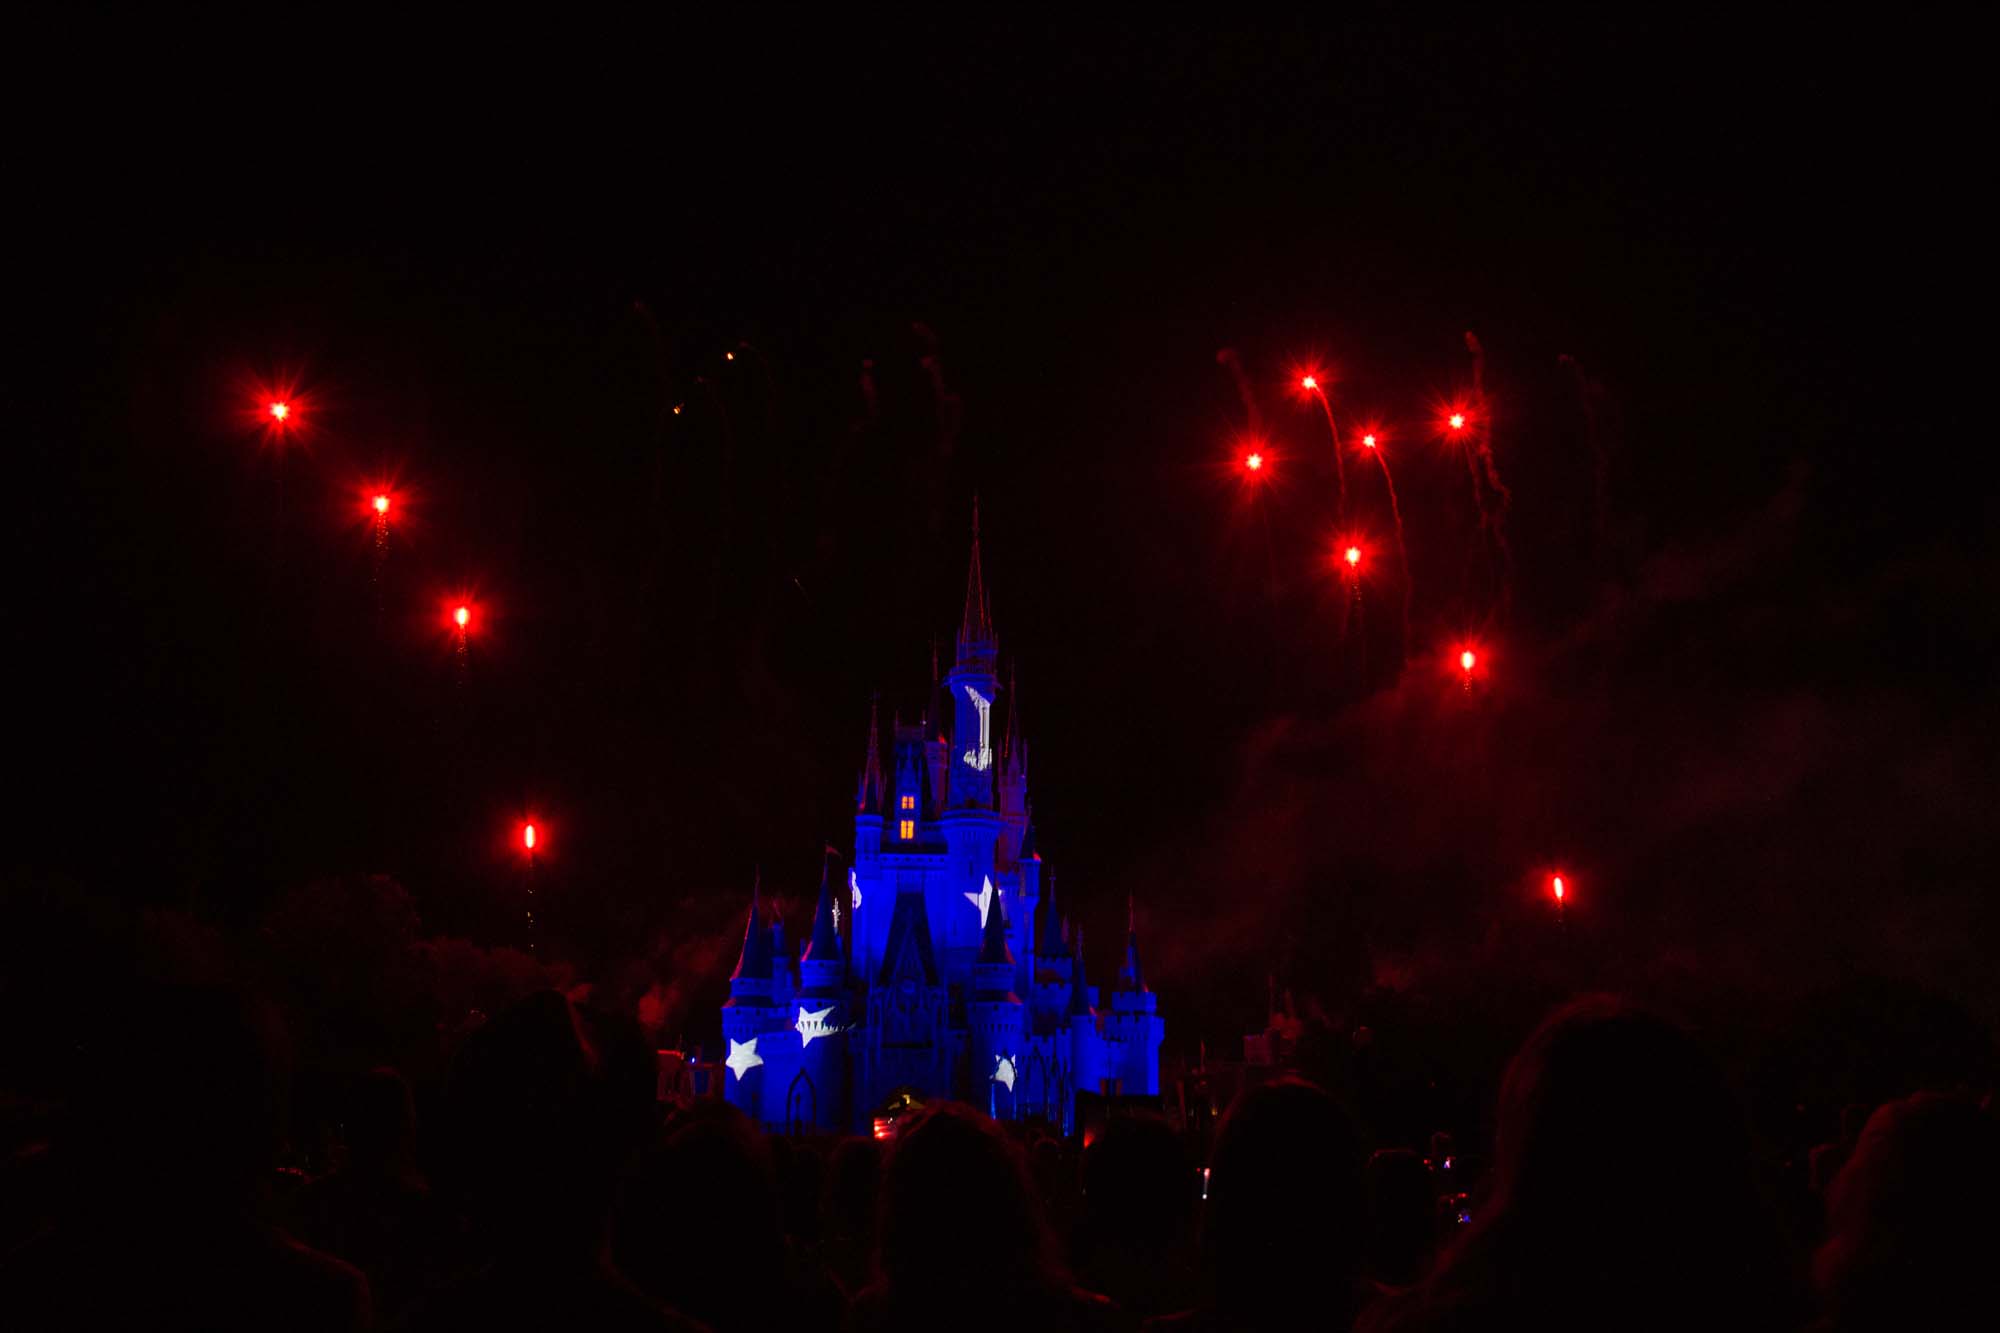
[(552, 1190)]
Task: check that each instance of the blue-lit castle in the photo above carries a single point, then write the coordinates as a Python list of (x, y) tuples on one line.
[(941, 967)]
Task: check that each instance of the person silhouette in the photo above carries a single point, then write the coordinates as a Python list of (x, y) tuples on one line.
[(377, 1210), (1135, 1239), (961, 1241), (538, 1133), (1622, 1194), (169, 1155), (698, 1224), (1911, 1231), (1281, 1237)]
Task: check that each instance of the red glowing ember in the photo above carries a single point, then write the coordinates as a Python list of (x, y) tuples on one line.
[(280, 411), (1466, 660), (1254, 461), (380, 504), (1309, 382), (1556, 883), (462, 616), (1352, 556), (528, 836), (1458, 421), (1369, 439)]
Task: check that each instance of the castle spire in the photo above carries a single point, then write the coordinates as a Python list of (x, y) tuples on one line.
[(825, 944), (976, 629), (754, 962), (869, 801), (1079, 992), (993, 945), (1051, 945), (1130, 977)]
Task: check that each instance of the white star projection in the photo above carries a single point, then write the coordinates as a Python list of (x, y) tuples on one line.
[(981, 759), (982, 900), (812, 1023), (743, 1056), (854, 885), (1003, 1073)]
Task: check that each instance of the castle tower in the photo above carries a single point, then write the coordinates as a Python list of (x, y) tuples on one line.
[(970, 823), (1133, 1030), (822, 1020), (747, 1015)]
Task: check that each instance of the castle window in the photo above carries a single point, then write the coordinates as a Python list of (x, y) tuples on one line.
[(909, 802), (908, 829)]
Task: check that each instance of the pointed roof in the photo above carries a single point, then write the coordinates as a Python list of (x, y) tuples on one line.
[(993, 944), (1130, 977), (1028, 852), (1079, 993), (754, 962), (825, 944), (907, 951), (976, 628), (873, 788), (1051, 943)]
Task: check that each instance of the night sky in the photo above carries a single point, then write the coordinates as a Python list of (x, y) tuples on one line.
[(1746, 704)]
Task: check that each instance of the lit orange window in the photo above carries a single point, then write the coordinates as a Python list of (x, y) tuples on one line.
[(909, 829), (909, 802)]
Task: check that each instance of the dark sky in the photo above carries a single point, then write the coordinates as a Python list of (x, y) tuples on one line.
[(1746, 703)]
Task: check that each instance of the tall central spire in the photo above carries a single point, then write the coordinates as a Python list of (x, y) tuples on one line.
[(975, 631)]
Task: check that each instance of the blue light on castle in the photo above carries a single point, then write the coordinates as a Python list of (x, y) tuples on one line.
[(940, 968)]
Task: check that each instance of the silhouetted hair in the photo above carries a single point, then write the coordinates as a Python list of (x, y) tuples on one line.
[(1622, 1193), (1282, 1229), (1911, 1233), (957, 1203), (1402, 1216)]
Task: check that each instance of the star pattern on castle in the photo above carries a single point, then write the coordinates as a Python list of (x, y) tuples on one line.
[(943, 968)]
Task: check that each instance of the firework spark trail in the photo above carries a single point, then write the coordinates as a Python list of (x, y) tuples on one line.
[(1402, 548), (1339, 464), (1227, 357)]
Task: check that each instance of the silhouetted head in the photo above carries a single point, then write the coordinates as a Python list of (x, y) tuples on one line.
[(1622, 1192), (524, 1107), (1615, 1114), (1911, 1233), (853, 1178), (1282, 1229), (1402, 1216), (1138, 1183), (957, 1207), (381, 1125), (696, 1224)]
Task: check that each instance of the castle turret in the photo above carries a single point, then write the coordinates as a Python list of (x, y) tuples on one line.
[(822, 1020), (970, 823), (747, 1015), (1133, 1030), (1085, 1048)]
